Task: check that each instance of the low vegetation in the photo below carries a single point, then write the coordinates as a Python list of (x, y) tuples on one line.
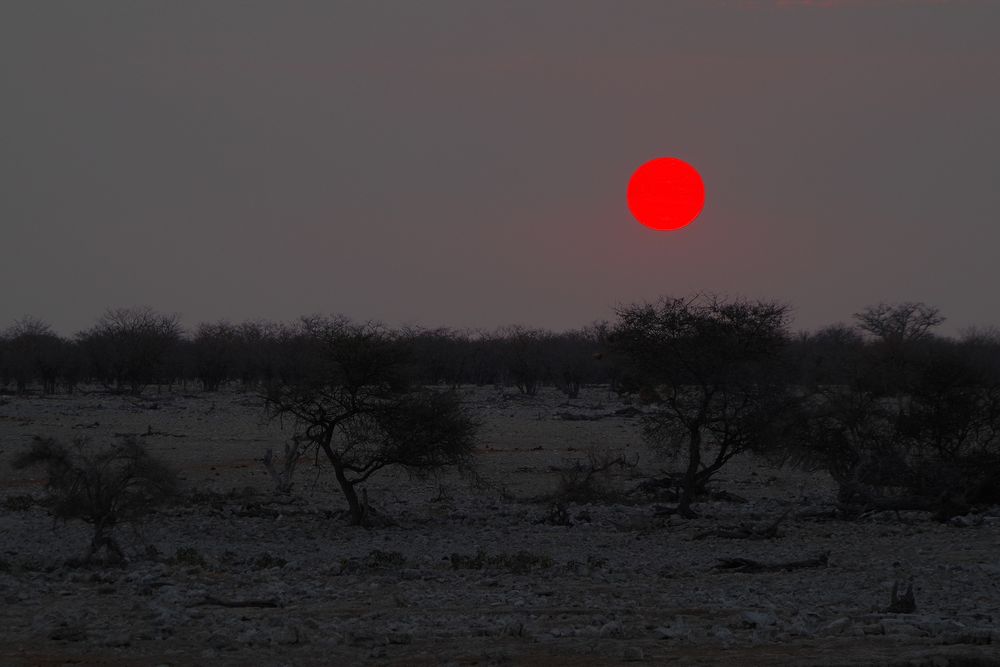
[(521, 562), (102, 487)]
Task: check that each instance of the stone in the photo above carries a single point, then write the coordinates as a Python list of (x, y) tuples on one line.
[(722, 633), (973, 636), (837, 626), (219, 642), (114, 639), (612, 629), (756, 619), (288, 635), (68, 633), (671, 632), (633, 654)]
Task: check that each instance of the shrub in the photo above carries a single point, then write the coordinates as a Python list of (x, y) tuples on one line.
[(918, 427), (375, 560), (103, 488), (189, 557), (521, 562), (590, 481), (21, 503)]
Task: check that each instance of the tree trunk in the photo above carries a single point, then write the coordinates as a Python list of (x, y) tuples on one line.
[(104, 540), (357, 511), (691, 475)]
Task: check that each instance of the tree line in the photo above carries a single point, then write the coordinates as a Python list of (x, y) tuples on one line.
[(901, 417), (130, 349)]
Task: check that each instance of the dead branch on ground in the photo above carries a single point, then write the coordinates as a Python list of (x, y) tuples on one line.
[(753, 566)]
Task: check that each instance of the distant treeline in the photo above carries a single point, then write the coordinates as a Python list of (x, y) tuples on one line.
[(131, 349)]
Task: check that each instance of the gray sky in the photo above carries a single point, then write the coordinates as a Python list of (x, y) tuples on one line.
[(465, 163)]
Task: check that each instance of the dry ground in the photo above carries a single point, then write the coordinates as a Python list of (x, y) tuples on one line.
[(473, 573)]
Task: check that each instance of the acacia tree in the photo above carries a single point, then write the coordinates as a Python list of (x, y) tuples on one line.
[(710, 369), (350, 398), (899, 335)]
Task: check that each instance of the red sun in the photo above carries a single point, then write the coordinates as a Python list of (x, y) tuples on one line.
[(666, 193)]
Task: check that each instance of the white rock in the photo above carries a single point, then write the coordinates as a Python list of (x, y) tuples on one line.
[(757, 619), (836, 627)]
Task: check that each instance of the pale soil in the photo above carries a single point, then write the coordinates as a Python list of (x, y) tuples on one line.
[(623, 583)]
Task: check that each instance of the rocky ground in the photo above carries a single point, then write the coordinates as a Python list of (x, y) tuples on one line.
[(479, 569)]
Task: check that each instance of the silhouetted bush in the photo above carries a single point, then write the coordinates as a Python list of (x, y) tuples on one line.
[(918, 427), (104, 488), (590, 481)]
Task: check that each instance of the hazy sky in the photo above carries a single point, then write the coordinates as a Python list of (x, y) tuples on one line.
[(465, 163)]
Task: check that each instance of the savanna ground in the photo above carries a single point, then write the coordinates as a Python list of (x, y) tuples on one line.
[(478, 569)]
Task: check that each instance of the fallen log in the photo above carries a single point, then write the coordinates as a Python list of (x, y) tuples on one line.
[(212, 601), (753, 566), (766, 532)]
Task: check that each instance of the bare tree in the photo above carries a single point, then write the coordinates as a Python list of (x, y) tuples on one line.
[(130, 346), (571, 359), (709, 366), (524, 356), (258, 352), (32, 351), (103, 488), (215, 348), (350, 398)]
